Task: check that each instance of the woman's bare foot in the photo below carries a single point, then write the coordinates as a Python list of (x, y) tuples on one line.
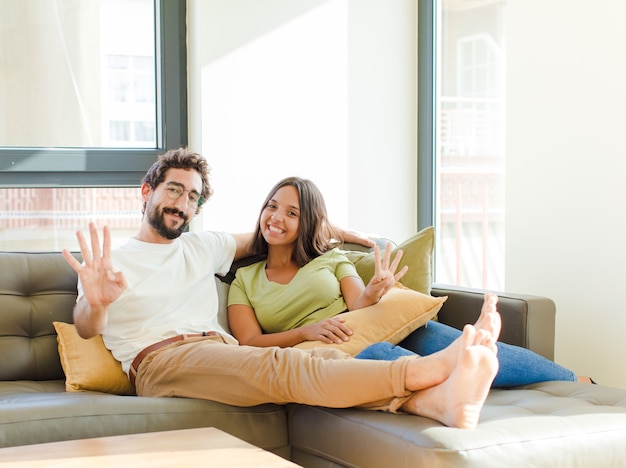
[(585, 379), (489, 318), (457, 401)]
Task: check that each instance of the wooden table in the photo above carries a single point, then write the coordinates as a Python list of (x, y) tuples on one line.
[(205, 446)]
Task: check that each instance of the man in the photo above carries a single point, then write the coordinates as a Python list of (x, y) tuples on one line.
[(155, 303)]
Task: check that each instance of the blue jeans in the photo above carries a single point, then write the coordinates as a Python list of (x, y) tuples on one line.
[(518, 366)]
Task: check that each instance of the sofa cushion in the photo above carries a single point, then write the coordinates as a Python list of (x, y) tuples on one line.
[(542, 425), (398, 313), (35, 289), (88, 364), (418, 254), (38, 412)]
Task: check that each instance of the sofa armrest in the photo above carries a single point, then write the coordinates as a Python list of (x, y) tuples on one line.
[(527, 321)]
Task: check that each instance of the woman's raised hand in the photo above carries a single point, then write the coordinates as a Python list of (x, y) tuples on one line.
[(385, 276)]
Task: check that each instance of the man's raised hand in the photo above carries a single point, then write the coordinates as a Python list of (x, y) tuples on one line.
[(101, 285)]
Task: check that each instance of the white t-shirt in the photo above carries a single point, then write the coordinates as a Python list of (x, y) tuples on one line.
[(171, 291)]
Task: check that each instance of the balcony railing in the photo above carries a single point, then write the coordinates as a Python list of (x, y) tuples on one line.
[(470, 216)]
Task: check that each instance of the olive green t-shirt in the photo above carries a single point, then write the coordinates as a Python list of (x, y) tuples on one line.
[(313, 294)]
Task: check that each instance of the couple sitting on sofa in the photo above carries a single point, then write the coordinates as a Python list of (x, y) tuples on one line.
[(149, 300)]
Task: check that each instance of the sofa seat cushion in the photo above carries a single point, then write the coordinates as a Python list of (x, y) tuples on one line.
[(542, 425), (37, 412)]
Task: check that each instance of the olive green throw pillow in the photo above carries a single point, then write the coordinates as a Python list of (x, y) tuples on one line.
[(418, 255)]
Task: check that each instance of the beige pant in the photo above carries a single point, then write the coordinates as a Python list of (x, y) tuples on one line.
[(210, 369)]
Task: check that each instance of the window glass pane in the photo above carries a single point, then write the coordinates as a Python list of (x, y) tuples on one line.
[(70, 69), (470, 147), (46, 219)]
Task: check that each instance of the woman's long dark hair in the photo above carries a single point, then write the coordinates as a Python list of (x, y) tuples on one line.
[(315, 236)]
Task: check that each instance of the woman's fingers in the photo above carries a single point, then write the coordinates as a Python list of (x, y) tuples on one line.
[(384, 263), (335, 331), (401, 273), (387, 257), (396, 260), (376, 259)]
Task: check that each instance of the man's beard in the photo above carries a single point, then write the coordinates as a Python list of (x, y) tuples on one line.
[(156, 218)]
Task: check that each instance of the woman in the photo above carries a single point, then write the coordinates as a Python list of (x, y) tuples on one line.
[(298, 293)]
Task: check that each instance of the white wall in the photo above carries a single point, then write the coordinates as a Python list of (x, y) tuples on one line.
[(321, 89), (566, 170)]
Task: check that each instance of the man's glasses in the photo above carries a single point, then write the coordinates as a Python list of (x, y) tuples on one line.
[(175, 190)]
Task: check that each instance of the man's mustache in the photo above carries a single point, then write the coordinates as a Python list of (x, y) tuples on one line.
[(174, 211)]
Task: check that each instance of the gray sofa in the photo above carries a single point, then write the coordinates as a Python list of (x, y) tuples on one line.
[(549, 424)]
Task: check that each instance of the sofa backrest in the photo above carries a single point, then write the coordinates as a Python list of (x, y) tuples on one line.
[(36, 288)]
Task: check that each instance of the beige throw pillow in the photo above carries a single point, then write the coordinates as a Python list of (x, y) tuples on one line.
[(88, 364), (399, 312)]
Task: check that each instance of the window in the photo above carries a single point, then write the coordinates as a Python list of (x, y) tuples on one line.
[(461, 132), (91, 93), (77, 89), (44, 219)]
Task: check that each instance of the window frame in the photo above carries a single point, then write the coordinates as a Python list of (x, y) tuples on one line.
[(427, 124), (22, 167)]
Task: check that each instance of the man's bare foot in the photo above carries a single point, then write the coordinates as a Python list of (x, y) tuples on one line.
[(484, 338), (585, 379), (457, 401), (426, 371), (489, 318)]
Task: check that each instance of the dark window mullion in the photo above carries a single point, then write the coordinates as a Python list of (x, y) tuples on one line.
[(426, 89)]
